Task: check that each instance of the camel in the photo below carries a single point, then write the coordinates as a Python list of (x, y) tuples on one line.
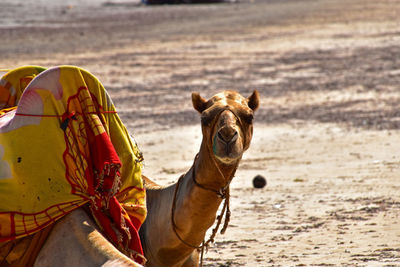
[(178, 215), (170, 236)]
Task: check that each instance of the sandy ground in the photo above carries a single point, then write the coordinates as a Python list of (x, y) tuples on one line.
[(327, 133)]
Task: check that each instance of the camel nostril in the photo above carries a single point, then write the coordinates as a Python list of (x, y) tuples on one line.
[(234, 137), (220, 136), (227, 135)]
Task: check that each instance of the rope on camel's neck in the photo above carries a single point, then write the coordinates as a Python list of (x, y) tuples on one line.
[(222, 193)]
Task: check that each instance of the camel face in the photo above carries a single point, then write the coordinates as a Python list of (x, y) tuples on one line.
[(227, 138), (227, 123)]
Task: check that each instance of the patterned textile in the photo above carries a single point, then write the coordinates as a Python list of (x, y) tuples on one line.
[(62, 145)]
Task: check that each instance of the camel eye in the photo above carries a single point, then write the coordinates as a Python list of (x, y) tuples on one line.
[(248, 118), (208, 116), (205, 119)]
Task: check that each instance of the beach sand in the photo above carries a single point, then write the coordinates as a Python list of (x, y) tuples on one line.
[(327, 135)]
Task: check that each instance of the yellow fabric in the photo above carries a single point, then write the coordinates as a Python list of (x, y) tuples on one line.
[(13, 84), (42, 178)]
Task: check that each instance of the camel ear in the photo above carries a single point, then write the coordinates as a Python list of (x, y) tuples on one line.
[(199, 103), (254, 100)]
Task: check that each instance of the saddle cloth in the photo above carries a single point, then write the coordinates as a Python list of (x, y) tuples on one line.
[(63, 145)]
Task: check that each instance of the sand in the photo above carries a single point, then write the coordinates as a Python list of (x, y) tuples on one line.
[(326, 135)]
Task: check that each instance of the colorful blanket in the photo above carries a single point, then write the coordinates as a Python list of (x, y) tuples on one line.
[(62, 145)]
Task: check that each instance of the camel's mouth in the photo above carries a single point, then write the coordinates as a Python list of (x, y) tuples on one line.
[(227, 141), (227, 153)]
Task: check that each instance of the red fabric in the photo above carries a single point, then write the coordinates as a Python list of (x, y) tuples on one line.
[(118, 225), (103, 179)]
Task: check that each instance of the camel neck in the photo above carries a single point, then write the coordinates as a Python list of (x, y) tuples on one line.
[(200, 195), (208, 172)]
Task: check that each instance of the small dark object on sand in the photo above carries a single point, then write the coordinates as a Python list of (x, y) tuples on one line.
[(259, 181)]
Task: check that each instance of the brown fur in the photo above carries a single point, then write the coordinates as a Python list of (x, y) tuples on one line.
[(223, 116)]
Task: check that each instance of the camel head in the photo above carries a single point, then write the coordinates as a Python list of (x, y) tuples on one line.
[(227, 123)]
